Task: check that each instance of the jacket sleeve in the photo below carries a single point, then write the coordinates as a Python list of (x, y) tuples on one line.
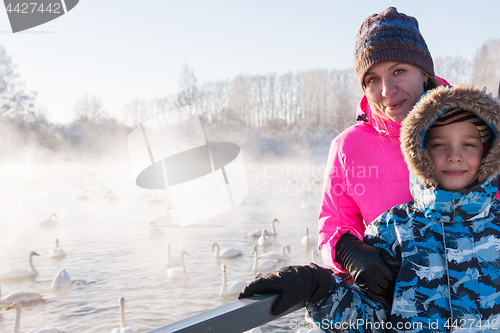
[(339, 213), (347, 309)]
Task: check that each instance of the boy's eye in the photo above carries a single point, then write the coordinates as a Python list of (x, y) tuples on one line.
[(437, 144), (469, 144)]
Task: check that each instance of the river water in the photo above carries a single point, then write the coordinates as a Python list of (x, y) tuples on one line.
[(111, 252)]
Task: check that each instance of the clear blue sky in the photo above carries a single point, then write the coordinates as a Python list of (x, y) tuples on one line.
[(121, 50)]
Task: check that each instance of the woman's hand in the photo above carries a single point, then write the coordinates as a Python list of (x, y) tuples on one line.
[(294, 283), (373, 269)]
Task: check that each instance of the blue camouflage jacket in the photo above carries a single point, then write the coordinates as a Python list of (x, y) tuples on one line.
[(448, 242)]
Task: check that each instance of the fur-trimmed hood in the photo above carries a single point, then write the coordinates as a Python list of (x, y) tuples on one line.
[(432, 106)]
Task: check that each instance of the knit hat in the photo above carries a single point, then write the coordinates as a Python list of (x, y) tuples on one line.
[(458, 115), (390, 36)]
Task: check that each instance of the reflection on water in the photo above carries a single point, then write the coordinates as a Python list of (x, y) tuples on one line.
[(110, 251)]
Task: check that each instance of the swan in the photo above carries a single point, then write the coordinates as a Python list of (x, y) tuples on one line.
[(50, 222), (262, 265), (110, 198), (123, 328), (315, 254), (62, 280), (164, 219), (308, 239), (231, 288), (20, 296), (225, 253), (276, 255), (86, 196), (57, 253), (108, 191), (254, 330), (16, 274), (306, 206), (258, 233), (154, 230), (17, 306), (178, 272), (172, 261), (263, 239)]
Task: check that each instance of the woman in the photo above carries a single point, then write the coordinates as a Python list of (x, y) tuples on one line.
[(366, 173)]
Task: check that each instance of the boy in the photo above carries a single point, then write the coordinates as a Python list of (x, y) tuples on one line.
[(448, 238)]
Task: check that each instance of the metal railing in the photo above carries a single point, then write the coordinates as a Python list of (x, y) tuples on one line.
[(236, 317)]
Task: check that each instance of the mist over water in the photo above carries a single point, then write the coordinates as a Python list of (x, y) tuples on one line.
[(110, 251)]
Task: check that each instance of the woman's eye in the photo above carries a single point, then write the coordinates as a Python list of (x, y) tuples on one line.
[(399, 71), (371, 80)]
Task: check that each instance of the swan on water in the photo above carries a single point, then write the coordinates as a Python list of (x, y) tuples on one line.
[(172, 261), (308, 239), (62, 280), (17, 306), (87, 196), (123, 327), (20, 296), (110, 198), (315, 255), (178, 272), (306, 206), (57, 253), (258, 233), (262, 265), (108, 191), (50, 222), (231, 287), (225, 252), (276, 255), (263, 239), (154, 230), (18, 274)]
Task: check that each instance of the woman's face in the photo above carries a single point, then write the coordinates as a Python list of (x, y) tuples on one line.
[(394, 88)]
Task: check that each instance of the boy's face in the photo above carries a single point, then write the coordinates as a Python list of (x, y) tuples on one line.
[(456, 151)]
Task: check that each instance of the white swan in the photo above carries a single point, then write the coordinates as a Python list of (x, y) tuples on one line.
[(107, 191), (263, 239), (20, 296), (257, 233), (276, 255), (308, 239), (87, 196), (262, 265), (17, 306), (57, 253), (172, 261), (225, 253), (17, 274), (110, 198), (231, 288), (178, 272), (123, 327), (50, 222), (315, 254), (154, 230), (306, 206), (62, 280)]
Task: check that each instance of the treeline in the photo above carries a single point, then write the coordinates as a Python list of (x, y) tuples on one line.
[(267, 114)]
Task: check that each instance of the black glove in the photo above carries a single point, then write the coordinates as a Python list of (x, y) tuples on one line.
[(373, 269), (295, 284)]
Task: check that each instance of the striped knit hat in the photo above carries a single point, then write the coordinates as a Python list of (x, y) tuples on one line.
[(390, 36), (458, 115)]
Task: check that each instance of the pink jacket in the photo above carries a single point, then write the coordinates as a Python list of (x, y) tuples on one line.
[(365, 176)]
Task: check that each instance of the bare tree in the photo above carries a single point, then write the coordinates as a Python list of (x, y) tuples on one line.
[(189, 93), (15, 101), (137, 112), (89, 108), (487, 66), (453, 69)]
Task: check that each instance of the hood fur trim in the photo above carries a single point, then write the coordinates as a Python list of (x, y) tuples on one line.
[(430, 107)]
